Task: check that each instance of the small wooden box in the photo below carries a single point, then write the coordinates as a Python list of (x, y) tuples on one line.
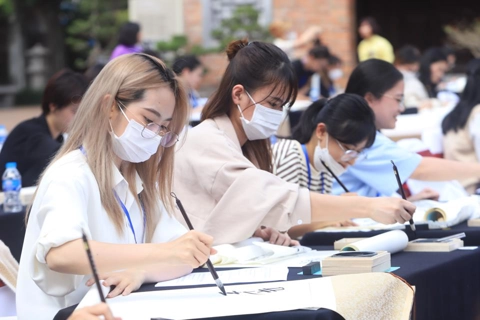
[(434, 246), (339, 244), (473, 223), (332, 266)]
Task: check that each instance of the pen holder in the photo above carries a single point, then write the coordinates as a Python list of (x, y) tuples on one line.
[(332, 266), (429, 245)]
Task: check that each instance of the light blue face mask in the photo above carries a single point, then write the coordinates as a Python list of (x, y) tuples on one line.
[(264, 122)]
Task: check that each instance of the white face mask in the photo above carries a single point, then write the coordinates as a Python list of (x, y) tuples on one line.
[(322, 154), (335, 74), (131, 146), (264, 122)]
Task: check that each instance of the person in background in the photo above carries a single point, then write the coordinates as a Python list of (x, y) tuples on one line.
[(329, 75), (314, 62), (128, 39), (433, 66), (112, 181), (223, 171), (407, 61), (32, 143), (461, 127), (334, 131), (373, 45), (381, 84), (289, 42), (190, 71), (451, 57)]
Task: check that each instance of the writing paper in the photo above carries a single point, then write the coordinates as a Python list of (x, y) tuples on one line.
[(392, 241), (230, 276)]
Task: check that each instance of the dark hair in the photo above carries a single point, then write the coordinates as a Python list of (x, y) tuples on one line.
[(334, 60), (374, 76), (253, 65), (470, 98), (407, 54), (189, 62), (348, 119), (430, 56), (319, 52), (447, 51), (373, 24), (63, 88), (128, 34)]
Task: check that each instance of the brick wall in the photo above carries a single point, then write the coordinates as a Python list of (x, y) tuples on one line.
[(336, 17)]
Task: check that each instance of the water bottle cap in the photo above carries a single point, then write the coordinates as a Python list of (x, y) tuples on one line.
[(10, 165)]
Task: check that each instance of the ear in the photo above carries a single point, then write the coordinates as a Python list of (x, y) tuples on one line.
[(237, 93), (321, 131), (113, 108), (52, 107), (370, 98)]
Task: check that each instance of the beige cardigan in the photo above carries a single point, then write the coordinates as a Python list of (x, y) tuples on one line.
[(223, 192)]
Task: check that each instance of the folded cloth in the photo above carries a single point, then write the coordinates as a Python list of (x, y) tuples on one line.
[(8, 267)]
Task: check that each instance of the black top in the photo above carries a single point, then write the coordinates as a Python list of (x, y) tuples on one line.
[(304, 75), (31, 146)]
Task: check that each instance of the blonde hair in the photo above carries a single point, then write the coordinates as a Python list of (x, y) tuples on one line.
[(125, 79)]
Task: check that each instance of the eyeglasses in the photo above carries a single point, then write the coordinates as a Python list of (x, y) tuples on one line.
[(151, 130), (350, 155), (400, 101)]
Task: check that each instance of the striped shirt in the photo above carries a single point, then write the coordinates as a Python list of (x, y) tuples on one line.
[(290, 164)]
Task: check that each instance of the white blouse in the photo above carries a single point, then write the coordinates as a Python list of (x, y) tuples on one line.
[(67, 201)]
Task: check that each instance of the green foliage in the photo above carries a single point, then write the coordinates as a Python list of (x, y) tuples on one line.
[(6, 7), (242, 24), (176, 43), (95, 25)]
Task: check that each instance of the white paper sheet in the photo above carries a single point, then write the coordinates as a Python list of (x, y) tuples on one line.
[(230, 276), (392, 241), (241, 299)]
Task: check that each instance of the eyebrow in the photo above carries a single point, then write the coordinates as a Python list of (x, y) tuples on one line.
[(155, 112), (277, 99)]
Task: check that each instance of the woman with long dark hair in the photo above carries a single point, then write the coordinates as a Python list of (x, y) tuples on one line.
[(223, 172), (461, 126)]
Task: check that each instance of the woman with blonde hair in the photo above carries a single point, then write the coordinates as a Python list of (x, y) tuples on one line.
[(107, 181)]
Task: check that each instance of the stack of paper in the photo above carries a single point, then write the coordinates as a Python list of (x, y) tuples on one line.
[(332, 266)]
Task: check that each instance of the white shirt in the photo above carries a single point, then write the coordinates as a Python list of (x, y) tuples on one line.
[(67, 201)]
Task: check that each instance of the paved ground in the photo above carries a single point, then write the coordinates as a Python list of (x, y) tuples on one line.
[(10, 117)]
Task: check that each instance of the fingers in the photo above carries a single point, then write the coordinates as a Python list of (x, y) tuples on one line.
[(274, 237), (409, 207), (294, 243), (93, 312)]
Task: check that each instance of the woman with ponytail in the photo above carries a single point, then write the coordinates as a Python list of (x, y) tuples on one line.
[(223, 171)]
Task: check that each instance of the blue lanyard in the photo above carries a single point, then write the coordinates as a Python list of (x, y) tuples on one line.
[(304, 148), (127, 214)]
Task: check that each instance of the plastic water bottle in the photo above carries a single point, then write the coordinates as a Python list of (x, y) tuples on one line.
[(3, 135), (12, 184)]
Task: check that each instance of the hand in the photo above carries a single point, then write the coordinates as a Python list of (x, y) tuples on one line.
[(93, 313), (391, 210), (275, 237), (124, 281), (426, 193), (193, 249)]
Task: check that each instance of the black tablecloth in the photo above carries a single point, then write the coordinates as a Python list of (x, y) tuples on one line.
[(328, 238), (12, 231), (447, 286)]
